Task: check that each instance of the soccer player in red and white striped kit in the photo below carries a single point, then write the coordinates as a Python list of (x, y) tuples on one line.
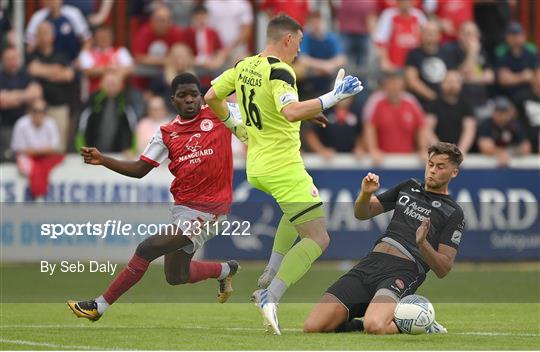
[(198, 145)]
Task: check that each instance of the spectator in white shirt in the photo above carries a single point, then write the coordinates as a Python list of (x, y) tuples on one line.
[(233, 20), (36, 141)]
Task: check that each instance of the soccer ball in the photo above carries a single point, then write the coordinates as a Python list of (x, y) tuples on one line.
[(414, 314)]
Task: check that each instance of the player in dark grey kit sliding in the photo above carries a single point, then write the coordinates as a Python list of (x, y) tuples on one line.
[(424, 234)]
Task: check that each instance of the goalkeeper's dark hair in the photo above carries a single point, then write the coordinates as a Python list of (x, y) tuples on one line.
[(451, 150), (185, 78), (281, 25)]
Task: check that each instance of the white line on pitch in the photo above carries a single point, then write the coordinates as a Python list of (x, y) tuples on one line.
[(45, 344), (30, 326)]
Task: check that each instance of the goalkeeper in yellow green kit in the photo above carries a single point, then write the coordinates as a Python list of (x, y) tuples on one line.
[(265, 87)]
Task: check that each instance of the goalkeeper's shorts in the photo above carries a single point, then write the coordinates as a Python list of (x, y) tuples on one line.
[(292, 187)]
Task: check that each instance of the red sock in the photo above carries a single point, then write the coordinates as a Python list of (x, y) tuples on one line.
[(131, 274), (199, 271)]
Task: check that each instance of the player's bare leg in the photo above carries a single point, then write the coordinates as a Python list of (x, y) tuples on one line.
[(327, 315), (379, 318)]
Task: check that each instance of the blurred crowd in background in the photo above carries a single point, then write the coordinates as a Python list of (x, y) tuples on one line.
[(460, 71)]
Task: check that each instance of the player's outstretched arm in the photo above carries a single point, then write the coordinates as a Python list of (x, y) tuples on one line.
[(137, 169), (367, 205), (344, 87)]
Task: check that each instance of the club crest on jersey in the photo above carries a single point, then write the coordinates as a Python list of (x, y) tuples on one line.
[(207, 125), (436, 204), (193, 143)]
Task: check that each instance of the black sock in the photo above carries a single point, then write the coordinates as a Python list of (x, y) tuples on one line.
[(353, 325)]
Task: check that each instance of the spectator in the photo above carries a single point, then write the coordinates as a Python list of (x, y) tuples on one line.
[(52, 70), (154, 40), (394, 121), (468, 56), (87, 7), (297, 9), (502, 136), (516, 62), (321, 55), (179, 60), (451, 116), (387, 4), (356, 21), (158, 115), (210, 55), (342, 135), (426, 65), (8, 37), (37, 144), (397, 32), (450, 15), (492, 17), (102, 57), (529, 112), (233, 20), (16, 90), (70, 28), (108, 122)]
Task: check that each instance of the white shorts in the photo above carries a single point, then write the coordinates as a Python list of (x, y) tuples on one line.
[(198, 225)]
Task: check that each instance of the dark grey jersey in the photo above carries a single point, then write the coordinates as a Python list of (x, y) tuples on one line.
[(411, 204)]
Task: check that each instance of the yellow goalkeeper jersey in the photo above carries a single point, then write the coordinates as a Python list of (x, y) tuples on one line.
[(263, 86)]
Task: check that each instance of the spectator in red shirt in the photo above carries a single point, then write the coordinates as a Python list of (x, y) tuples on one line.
[(153, 41), (450, 14), (386, 4), (102, 57), (206, 46), (297, 9), (356, 21), (394, 121), (397, 32)]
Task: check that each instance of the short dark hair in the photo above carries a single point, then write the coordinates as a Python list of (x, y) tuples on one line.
[(451, 150), (185, 78), (280, 25), (199, 9)]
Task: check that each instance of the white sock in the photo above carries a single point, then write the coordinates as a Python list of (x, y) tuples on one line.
[(225, 270), (101, 304), (275, 261)]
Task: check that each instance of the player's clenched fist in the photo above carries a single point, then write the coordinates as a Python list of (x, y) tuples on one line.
[(92, 155), (370, 183)]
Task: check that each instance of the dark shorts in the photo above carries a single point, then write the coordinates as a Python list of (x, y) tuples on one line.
[(377, 271)]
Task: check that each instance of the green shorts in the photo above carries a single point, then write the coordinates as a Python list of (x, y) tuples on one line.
[(293, 189)]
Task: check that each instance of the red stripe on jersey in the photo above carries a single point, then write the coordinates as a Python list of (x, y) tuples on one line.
[(149, 161)]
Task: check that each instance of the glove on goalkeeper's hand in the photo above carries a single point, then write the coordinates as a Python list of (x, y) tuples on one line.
[(344, 87)]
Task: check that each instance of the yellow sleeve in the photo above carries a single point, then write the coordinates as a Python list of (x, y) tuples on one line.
[(283, 85), (224, 84)]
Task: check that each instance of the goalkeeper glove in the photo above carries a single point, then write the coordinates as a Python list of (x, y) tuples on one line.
[(344, 87), (234, 123)]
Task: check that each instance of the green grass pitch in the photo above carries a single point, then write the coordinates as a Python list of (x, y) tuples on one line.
[(484, 307)]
